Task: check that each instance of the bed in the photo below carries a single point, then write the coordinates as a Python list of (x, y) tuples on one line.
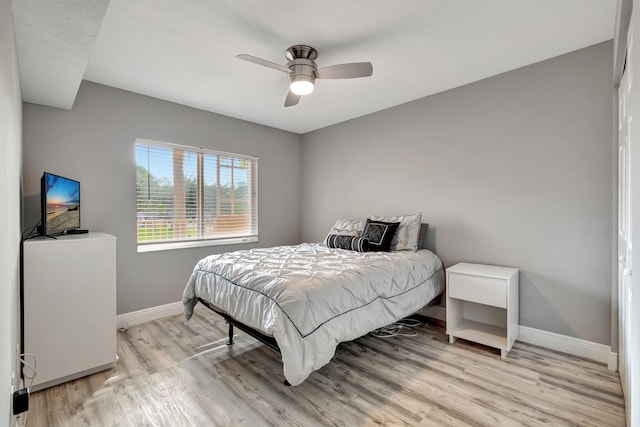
[(310, 297)]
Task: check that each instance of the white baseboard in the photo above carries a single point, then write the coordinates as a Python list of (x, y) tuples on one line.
[(566, 344), (148, 314)]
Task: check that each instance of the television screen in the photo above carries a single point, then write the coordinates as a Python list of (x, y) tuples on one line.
[(60, 204)]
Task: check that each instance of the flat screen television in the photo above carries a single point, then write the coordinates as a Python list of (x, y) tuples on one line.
[(60, 204)]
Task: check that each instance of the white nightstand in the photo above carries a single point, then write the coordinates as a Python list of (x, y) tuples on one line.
[(482, 305)]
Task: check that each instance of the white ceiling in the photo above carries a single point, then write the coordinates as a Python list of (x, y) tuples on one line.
[(184, 50)]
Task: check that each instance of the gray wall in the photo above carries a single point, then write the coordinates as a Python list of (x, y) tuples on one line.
[(514, 170), (94, 143), (10, 214)]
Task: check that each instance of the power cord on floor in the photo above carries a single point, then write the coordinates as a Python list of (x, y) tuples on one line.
[(401, 328)]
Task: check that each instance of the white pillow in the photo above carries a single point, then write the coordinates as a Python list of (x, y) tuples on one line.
[(406, 236), (347, 227)]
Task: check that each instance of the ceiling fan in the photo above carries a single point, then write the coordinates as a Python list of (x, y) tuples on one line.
[(303, 70)]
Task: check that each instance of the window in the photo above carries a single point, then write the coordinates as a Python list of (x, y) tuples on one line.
[(188, 196)]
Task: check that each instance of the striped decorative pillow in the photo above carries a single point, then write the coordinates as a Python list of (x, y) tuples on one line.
[(353, 243)]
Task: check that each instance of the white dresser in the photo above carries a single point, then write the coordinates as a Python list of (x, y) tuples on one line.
[(482, 305), (70, 305)]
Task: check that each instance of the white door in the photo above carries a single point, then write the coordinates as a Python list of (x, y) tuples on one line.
[(624, 226)]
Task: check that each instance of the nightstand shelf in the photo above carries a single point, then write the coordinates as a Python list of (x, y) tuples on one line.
[(482, 305), (482, 333)]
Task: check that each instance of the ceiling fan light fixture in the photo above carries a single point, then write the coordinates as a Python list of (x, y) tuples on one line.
[(302, 85)]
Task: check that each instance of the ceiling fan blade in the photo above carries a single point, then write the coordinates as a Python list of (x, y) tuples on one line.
[(263, 62), (346, 71), (292, 99)]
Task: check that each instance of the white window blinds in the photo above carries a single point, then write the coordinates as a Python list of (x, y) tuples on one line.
[(188, 194)]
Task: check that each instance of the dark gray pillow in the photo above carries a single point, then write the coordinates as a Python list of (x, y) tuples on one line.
[(354, 243), (424, 228)]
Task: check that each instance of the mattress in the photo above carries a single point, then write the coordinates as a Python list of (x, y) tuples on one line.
[(310, 297)]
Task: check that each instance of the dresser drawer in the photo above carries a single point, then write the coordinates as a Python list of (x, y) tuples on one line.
[(483, 290)]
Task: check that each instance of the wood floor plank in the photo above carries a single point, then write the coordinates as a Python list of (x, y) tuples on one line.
[(224, 405), (264, 395), (81, 412), (174, 372), (57, 404), (128, 395), (492, 379), (325, 396), (442, 392), (561, 368)]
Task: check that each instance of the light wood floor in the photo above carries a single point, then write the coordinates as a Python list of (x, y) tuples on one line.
[(177, 373)]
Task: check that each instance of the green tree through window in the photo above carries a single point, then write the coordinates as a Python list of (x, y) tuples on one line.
[(186, 194)]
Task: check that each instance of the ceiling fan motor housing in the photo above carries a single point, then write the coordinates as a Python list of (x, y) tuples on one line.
[(301, 65), (302, 69)]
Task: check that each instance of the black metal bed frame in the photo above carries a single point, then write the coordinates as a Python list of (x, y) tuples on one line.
[(265, 339)]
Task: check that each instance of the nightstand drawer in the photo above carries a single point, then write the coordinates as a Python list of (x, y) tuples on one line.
[(483, 290)]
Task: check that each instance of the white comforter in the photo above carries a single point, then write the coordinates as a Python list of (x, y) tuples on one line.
[(310, 297)]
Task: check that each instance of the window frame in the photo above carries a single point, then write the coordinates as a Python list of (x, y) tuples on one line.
[(143, 247)]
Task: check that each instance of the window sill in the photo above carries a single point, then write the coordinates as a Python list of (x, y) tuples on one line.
[(168, 246)]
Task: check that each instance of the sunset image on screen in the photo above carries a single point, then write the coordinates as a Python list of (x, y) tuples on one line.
[(63, 203)]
